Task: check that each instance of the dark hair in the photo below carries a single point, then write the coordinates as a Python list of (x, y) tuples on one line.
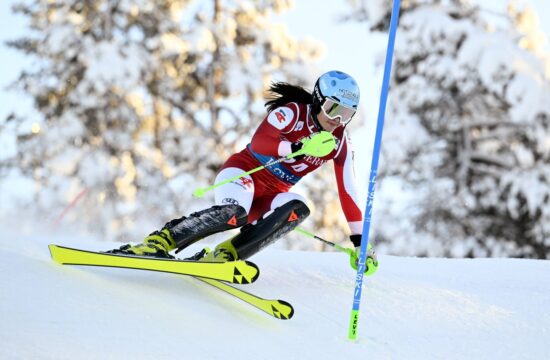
[(281, 93)]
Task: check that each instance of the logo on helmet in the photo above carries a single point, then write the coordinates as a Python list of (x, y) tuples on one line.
[(317, 94), (351, 95)]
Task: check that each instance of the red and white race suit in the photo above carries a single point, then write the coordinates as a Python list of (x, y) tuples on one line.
[(267, 189)]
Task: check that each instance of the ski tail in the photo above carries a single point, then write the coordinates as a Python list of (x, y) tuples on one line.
[(279, 309)]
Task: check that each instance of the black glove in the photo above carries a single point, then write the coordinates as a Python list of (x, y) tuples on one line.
[(296, 146)]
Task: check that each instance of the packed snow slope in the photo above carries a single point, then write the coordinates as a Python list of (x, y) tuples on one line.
[(412, 308)]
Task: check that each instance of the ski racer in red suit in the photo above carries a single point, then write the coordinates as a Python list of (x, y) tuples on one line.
[(261, 203)]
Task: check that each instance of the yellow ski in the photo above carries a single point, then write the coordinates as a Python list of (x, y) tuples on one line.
[(279, 309), (238, 272)]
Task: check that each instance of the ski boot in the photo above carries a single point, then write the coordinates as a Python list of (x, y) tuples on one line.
[(224, 252), (182, 232), (158, 245)]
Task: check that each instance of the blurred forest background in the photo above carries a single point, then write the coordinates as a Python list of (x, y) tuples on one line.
[(137, 102)]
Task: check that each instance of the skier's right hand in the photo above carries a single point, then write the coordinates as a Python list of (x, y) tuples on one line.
[(297, 146)]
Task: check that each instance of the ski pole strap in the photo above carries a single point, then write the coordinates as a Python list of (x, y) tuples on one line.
[(200, 192)]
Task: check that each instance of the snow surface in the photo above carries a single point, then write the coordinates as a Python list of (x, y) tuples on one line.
[(413, 308)]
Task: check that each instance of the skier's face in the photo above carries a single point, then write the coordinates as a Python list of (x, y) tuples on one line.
[(326, 123)]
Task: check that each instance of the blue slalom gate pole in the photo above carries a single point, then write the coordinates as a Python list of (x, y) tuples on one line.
[(354, 320)]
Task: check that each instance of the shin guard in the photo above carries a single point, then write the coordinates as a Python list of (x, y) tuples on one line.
[(188, 230), (254, 237)]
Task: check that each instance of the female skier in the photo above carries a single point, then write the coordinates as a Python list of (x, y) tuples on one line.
[(260, 203)]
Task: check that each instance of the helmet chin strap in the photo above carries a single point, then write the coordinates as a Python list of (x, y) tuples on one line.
[(316, 122), (314, 118)]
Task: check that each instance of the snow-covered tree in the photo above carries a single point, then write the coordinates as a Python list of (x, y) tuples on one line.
[(465, 166), (142, 100)]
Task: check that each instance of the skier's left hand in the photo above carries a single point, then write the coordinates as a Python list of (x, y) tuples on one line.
[(371, 265), (317, 145)]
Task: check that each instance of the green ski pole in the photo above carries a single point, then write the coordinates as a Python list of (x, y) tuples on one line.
[(348, 251), (201, 191)]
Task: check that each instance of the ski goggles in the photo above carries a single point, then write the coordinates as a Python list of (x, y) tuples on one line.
[(334, 110)]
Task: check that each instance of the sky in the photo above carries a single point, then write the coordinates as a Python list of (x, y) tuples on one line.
[(412, 308)]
